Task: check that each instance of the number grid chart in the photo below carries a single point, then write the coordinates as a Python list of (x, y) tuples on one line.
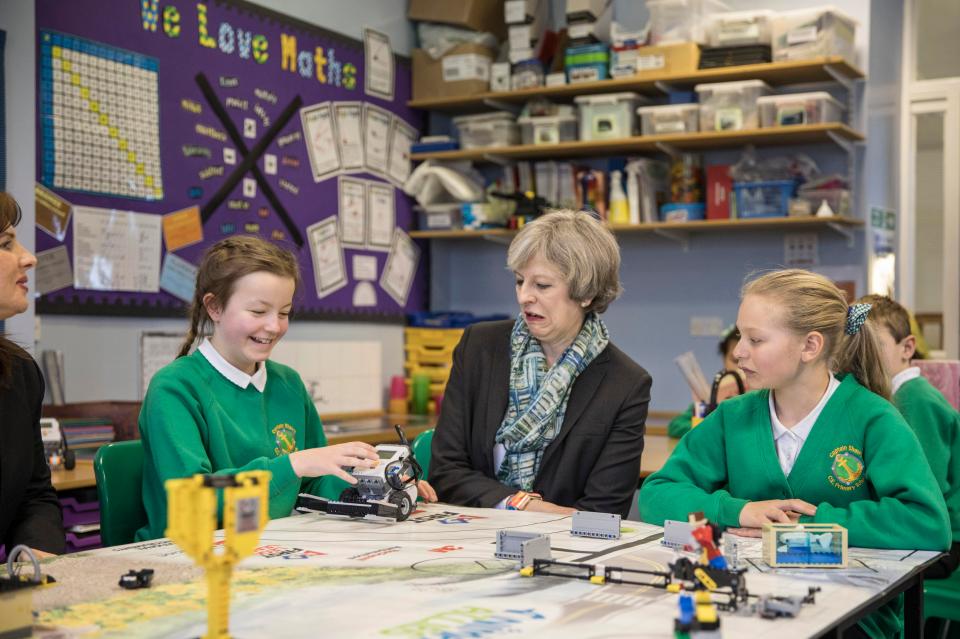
[(100, 118)]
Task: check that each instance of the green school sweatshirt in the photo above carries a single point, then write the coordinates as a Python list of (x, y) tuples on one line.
[(194, 420), (937, 426), (861, 465)]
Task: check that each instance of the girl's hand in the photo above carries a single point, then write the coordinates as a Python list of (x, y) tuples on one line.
[(426, 491), (330, 460), (776, 511), (540, 506)]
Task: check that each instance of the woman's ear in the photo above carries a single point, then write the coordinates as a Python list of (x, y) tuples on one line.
[(212, 307), (812, 346), (586, 303)]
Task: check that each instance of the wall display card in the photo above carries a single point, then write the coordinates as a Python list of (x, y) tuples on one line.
[(353, 212), (376, 135), (401, 267), (348, 117), (156, 351), (381, 216), (182, 228), (116, 250), (329, 267), (402, 137), (178, 277), (317, 121), (53, 212), (378, 80), (365, 267), (53, 270), (364, 295)]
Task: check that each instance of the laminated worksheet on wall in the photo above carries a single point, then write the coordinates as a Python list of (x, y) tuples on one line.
[(156, 351), (115, 250)]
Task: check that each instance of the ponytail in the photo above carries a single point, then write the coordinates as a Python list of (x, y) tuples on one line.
[(811, 302), (860, 355)]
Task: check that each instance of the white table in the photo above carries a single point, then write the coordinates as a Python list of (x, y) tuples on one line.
[(435, 573)]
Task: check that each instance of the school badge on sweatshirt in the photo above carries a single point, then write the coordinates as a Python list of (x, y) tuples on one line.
[(285, 436), (846, 472)]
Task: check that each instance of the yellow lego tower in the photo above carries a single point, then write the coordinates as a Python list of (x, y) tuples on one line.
[(192, 521)]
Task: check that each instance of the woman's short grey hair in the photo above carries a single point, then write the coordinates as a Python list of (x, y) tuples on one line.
[(580, 247)]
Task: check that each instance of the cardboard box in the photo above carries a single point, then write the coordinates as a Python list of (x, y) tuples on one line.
[(719, 190), (522, 11), (683, 57), (479, 15), (464, 70)]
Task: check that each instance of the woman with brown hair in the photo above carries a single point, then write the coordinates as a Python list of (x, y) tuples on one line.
[(29, 510)]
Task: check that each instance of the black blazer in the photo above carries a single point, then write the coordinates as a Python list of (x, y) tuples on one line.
[(593, 464), (29, 509)]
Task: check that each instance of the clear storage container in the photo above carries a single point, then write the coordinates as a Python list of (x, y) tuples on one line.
[(608, 116), (671, 118), (837, 199), (740, 28), (548, 129), (487, 129), (730, 106), (812, 33), (799, 108), (681, 20)]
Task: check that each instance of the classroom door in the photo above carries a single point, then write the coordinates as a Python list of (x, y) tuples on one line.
[(929, 271)]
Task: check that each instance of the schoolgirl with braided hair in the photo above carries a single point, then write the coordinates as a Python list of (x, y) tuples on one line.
[(225, 407), (814, 441)]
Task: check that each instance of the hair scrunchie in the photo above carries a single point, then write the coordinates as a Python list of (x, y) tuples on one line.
[(856, 316)]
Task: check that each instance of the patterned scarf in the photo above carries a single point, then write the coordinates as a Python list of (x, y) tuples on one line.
[(538, 397)]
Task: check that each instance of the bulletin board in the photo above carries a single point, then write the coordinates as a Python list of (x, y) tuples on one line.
[(165, 126)]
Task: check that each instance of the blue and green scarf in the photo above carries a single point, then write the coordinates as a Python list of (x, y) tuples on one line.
[(538, 397)]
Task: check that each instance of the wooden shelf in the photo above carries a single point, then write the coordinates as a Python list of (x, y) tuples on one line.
[(826, 69), (676, 230), (832, 132)]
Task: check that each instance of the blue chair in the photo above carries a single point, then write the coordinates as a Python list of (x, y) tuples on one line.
[(119, 471), (421, 450)]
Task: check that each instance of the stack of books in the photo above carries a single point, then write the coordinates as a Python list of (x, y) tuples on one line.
[(84, 435)]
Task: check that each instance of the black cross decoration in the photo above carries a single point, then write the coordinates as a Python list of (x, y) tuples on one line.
[(250, 158)]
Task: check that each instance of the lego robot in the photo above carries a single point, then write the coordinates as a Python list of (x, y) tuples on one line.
[(389, 490)]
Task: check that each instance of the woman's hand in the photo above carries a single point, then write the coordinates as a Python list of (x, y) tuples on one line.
[(775, 511), (540, 506), (330, 460), (426, 492)]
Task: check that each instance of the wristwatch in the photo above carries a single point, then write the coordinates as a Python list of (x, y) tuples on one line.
[(520, 499)]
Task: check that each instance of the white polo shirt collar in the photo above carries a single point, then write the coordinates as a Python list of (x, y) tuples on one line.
[(258, 380)]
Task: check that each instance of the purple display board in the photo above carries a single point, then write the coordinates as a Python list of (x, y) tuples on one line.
[(241, 119)]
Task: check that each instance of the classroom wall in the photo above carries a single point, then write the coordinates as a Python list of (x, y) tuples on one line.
[(665, 286), (102, 353)]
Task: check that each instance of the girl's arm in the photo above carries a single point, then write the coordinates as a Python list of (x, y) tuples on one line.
[(691, 480)]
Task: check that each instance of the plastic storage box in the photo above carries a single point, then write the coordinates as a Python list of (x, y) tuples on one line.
[(681, 20), (79, 513), (763, 199), (548, 129), (682, 211), (730, 106), (587, 63), (815, 32), (740, 28), (799, 108), (487, 129), (837, 199), (671, 118), (608, 116)]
